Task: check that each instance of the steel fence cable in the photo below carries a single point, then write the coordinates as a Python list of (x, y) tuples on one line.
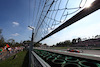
[(52, 13)]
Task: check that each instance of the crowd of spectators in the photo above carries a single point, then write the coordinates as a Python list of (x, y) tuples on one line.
[(6, 52)]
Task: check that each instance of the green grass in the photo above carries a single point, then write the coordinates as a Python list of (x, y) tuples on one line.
[(59, 47), (20, 61), (96, 49)]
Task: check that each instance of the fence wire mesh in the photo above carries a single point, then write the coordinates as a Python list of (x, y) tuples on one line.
[(49, 14)]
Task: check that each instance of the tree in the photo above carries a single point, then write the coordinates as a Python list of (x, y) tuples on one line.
[(45, 44), (2, 41), (0, 33), (79, 40), (74, 41), (37, 45), (97, 36), (26, 43), (68, 43), (64, 44), (11, 42)]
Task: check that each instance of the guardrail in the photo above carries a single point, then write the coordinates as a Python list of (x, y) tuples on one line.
[(52, 58), (37, 61)]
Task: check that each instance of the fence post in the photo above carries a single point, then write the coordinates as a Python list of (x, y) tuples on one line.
[(31, 46)]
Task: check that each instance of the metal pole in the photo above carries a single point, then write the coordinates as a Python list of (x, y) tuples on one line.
[(30, 47)]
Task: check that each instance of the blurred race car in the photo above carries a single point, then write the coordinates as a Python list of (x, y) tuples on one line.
[(75, 50)]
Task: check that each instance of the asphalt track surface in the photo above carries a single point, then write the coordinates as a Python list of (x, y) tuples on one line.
[(91, 54), (94, 52)]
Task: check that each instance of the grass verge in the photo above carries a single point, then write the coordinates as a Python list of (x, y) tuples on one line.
[(59, 47), (20, 61)]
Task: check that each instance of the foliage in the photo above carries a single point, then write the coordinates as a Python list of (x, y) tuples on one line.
[(64, 44), (74, 41), (2, 41), (11, 42), (26, 42), (38, 44), (17, 44)]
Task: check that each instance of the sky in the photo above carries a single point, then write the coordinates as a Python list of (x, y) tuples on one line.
[(87, 27), (16, 16), (14, 19)]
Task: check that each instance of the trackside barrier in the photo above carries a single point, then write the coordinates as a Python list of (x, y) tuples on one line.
[(37, 61), (61, 60)]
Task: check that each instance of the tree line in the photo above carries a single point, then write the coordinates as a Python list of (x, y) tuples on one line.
[(11, 41), (74, 41), (65, 43)]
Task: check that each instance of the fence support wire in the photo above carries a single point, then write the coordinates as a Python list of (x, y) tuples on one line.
[(51, 16)]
